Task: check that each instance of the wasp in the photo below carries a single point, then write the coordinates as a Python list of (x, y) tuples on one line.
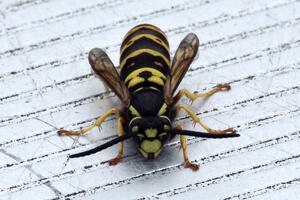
[(146, 85)]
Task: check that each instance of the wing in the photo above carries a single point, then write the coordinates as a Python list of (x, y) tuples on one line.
[(103, 66), (184, 56)]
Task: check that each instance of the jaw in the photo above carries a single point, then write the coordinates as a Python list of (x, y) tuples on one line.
[(150, 149), (150, 155)]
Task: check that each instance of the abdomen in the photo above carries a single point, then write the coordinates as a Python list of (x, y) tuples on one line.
[(145, 58)]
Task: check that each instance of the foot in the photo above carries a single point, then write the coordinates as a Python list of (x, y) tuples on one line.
[(115, 160), (225, 131), (229, 131), (62, 132), (194, 167), (223, 87)]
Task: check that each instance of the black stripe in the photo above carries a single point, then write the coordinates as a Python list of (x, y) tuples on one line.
[(145, 43), (144, 60), (145, 31)]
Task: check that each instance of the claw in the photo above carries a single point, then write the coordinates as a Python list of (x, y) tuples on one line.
[(194, 167), (63, 132), (225, 131), (224, 87), (115, 160), (229, 131)]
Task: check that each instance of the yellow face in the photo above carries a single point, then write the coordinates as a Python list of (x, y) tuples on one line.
[(151, 135), (152, 147)]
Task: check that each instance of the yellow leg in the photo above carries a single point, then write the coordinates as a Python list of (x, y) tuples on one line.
[(118, 158), (193, 96), (187, 163), (98, 122), (197, 120)]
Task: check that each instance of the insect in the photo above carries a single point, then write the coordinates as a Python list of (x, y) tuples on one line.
[(146, 86)]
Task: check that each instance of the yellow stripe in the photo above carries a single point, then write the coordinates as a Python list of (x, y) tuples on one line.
[(149, 36), (162, 110), (135, 81), (148, 69), (154, 79), (157, 80), (134, 112), (140, 51), (144, 26)]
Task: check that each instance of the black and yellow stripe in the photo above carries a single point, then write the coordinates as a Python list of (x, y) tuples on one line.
[(145, 29), (145, 58)]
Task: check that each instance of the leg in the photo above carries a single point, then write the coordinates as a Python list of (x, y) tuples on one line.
[(118, 158), (98, 122), (197, 120), (193, 96), (187, 163)]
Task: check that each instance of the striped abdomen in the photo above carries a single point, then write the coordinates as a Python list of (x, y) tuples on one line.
[(145, 58)]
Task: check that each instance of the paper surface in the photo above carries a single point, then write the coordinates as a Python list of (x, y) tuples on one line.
[(46, 84)]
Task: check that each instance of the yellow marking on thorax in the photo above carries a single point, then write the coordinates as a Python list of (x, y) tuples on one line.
[(162, 110), (148, 69), (149, 36), (134, 112), (151, 132), (140, 51), (144, 26)]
